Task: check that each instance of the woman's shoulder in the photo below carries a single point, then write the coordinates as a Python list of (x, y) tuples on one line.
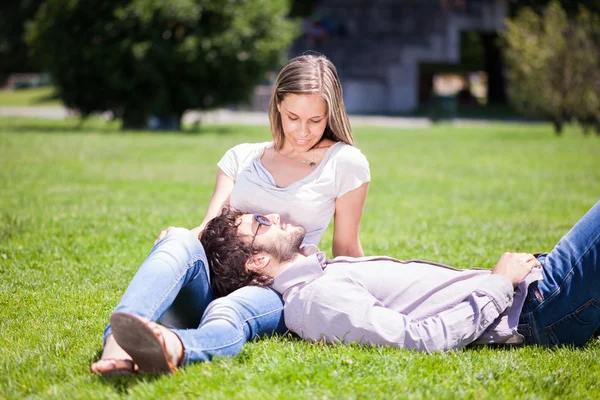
[(239, 157), (247, 149), (349, 155), (351, 169)]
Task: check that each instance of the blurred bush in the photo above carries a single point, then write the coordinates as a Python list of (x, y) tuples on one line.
[(13, 51), (142, 58), (554, 65)]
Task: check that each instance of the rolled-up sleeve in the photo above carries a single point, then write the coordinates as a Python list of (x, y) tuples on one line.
[(341, 310)]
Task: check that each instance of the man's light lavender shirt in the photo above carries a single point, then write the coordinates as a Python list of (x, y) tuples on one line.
[(407, 304)]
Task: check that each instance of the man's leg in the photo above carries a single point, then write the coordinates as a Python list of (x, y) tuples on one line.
[(171, 285), (564, 307), (231, 321)]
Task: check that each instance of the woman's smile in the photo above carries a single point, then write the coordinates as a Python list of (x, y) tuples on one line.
[(301, 142)]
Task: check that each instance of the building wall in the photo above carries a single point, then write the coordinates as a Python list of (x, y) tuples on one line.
[(378, 45)]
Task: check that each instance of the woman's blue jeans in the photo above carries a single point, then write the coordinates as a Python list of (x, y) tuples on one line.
[(172, 287), (564, 307)]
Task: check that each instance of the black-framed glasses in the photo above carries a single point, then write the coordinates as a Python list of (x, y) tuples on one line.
[(261, 220)]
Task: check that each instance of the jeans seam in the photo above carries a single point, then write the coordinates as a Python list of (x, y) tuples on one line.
[(204, 264), (592, 302), (175, 281), (245, 321), (588, 248), (186, 354), (567, 275), (556, 292)]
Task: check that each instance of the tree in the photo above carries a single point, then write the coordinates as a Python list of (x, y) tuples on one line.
[(554, 64), (570, 6), (150, 57), (13, 50), (493, 66)]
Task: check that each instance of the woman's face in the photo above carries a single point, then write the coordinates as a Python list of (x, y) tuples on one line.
[(304, 118)]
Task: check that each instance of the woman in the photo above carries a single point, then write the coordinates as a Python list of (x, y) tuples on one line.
[(308, 174)]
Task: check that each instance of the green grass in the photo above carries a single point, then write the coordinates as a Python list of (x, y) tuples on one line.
[(39, 97), (80, 208)]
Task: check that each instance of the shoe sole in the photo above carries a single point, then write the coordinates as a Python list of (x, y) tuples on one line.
[(139, 341)]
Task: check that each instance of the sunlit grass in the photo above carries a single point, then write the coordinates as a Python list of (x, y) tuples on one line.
[(80, 208), (40, 97)]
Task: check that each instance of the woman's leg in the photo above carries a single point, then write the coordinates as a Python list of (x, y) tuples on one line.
[(171, 285), (231, 321), (228, 323), (172, 281), (564, 307)]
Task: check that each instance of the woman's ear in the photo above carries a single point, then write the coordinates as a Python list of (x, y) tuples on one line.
[(258, 263)]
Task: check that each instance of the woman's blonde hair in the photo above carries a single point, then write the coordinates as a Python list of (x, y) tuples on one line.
[(308, 74)]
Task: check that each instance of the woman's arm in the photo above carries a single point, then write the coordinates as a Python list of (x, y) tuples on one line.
[(220, 197), (348, 213)]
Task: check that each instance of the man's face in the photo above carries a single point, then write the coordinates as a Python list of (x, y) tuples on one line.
[(280, 240)]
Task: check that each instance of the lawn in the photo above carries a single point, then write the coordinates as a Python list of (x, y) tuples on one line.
[(37, 97), (81, 206)]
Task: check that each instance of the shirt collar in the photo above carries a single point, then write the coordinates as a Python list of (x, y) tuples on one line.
[(300, 273)]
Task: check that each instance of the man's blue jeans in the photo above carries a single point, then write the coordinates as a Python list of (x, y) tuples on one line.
[(564, 307), (172, 287)]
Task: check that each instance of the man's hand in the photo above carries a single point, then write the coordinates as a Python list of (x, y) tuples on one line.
[(164, 233), (515, 266)]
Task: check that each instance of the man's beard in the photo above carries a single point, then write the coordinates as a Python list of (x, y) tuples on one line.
[(286, 249)]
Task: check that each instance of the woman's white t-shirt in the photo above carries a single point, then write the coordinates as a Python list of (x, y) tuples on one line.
[(309, 202)]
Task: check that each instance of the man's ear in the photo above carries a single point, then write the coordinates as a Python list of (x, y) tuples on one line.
[(258, 262)]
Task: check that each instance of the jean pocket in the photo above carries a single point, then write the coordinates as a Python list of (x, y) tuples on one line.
[(578, 327)]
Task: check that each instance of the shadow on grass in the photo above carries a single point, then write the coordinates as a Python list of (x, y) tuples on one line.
[(55, 128), (122, 383), (492, 346), (11, 225), (76, 126)]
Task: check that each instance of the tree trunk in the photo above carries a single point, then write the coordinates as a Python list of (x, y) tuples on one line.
[(134, 119), (166, 122), (558, 124), (494, 66)]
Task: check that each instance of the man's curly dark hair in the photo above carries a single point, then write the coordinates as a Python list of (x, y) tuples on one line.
[(227, 253)]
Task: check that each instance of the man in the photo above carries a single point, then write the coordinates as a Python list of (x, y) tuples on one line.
[(550, 299)]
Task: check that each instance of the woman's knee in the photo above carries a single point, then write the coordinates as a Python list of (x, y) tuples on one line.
[(247, 303), (181, 243), (179, 251), (185, 239)]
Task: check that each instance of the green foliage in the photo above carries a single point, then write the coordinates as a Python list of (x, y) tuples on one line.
[(554, 64), (13, 50), (572, 7), (143, 57), (80, 209)]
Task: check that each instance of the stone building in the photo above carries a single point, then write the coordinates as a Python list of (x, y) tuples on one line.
[(378, 45)]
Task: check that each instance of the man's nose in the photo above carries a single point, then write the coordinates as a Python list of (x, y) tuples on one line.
[(274, 218)]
